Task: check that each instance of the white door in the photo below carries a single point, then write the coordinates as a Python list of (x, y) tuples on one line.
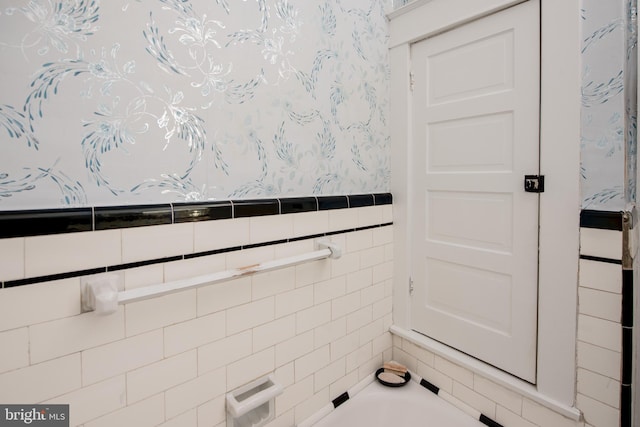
[(475, 136)]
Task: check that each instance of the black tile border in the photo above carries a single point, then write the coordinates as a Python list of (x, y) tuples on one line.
[(28, 223), (604, 220), (340, 399)]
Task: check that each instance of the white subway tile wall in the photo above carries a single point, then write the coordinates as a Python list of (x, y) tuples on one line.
[(321, 327)]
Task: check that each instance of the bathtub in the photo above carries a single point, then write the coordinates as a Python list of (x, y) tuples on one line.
[(376, 405)]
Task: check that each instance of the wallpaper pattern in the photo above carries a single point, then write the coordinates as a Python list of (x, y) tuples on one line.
[(128, 102), (608, 144)]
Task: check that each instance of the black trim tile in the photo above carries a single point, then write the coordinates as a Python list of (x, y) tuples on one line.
[(205, 211), (213, 252), (260, 207), (382, 199), (360, 200), (298, 204), (46, 221), (110, 217), (260, 245), (626, 405), (431, 387), (52, 277), (627, 298), (340, 399), (627, 355), (604, 220), (488, 421), (326, 203), (600, 259)]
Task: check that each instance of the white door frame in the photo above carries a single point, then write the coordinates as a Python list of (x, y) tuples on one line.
[(559, 204)]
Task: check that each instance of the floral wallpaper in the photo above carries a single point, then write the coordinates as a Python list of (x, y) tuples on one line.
[(129, 102), (608, 145)]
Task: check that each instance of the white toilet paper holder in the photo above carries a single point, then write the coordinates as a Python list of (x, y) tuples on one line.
[(253, 404)]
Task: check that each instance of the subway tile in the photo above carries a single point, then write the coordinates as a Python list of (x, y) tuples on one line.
[(192, 267), (508, 418), (329, 374), (601, 275), (293, 301), (597, 413), (382, 343), (343, 219), (224, 295), (72, 334), (310, 223), (121, 356), (270, 228), (14, 349), (358, 319), (372, 256), (311, 405), (458, 373), (12, 259), (359, 240), (187, 419), (600, 360), (272, 283), (94, 401), (146, 413), (370, 331), (224, 351), (286, 419), (160, 376), (292, 205), (294, 395), (312, 362), (383, 271), (388, 252), (603, 305), (344, 305), (329, 289), (345, 383), (312, 272), (602, 333), (543, 416), (294, 248), (61, 253), (285, 374), (371, 215), (41, 382), (158, 241), (293, 348), (248, 257), (256, 207), (434, 376), (195, 392), (313, 317), (112, 217), (194, 333), (361, 200), (344, 345), (330, 332), (212, 235), (273, 333), (507, 398), (372, 294), (599, 387), (387, 214), (212, 413), (382, 199), (147, 275), (250, 315), (601, 243), (146, 315), (475, 400), (359, 357), (420, 353), (383, 307), (367, 367), (250, 368), (359, 280), (332, 202), (347, 263)]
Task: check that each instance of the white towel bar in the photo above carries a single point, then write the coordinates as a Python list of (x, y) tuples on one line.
[(101, 295)]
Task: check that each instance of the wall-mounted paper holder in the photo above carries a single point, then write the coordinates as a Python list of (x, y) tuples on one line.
[(253, 405)]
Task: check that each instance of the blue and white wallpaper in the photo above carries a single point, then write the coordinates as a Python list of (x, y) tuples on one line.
[(132, 101), (608, 145)]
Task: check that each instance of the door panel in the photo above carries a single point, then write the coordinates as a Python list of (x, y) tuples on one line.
[(475, 136)]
